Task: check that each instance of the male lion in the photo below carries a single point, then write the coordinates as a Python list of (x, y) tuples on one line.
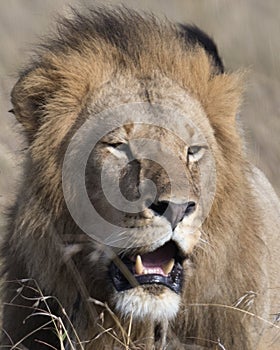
[(139, 222)]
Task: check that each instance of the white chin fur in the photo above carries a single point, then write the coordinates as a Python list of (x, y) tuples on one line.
[(141, 304)]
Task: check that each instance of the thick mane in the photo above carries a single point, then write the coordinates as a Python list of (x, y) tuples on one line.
[(126, 30), (50, 100)]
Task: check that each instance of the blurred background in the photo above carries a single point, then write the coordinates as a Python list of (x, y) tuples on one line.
[(247, 33)]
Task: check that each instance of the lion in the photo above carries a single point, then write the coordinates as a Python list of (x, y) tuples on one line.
[(139, 222)]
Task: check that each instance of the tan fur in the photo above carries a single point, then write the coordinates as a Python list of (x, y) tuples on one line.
[(52, 99)]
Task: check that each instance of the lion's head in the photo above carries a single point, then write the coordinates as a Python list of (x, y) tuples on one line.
[(135, 166)]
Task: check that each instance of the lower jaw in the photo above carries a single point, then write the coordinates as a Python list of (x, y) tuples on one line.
[(155, 281), (147, 303)]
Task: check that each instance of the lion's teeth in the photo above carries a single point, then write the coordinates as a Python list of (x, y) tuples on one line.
[(138, 265), (167, 268), (152, 270)]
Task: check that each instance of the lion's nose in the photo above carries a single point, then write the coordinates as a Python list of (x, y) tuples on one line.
[(173, 212)]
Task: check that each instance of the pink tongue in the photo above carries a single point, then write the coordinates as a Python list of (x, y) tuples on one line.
[(160, 256)]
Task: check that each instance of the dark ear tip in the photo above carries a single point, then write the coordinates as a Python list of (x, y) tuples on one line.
[(194, 35), (11, 111)]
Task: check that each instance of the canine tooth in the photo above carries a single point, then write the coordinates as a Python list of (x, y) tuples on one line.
[(167, 268), (138, 265)]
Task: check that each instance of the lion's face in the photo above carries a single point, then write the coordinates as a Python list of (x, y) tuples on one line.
[(146, 178)]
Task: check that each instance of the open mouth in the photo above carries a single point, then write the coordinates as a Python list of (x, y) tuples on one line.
[(160, 267)]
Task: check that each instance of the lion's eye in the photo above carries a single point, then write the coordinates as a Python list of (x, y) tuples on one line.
[(119, 149), (192, 150), (115, 144), (195, 152)]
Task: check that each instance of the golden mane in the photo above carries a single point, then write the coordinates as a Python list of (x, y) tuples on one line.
[(50, 100)]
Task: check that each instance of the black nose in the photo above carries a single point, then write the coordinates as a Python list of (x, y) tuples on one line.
[(173, 212)]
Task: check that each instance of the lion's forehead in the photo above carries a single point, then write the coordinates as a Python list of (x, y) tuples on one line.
[(173, 107), (140, 133)]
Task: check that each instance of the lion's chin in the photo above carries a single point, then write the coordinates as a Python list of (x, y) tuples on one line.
[(145, 302), (148, 285)]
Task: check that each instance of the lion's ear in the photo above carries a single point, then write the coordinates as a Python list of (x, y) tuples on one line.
[(195, 36), (29, 97)]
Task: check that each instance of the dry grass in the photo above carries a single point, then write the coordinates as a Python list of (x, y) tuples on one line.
[(67, 334)]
